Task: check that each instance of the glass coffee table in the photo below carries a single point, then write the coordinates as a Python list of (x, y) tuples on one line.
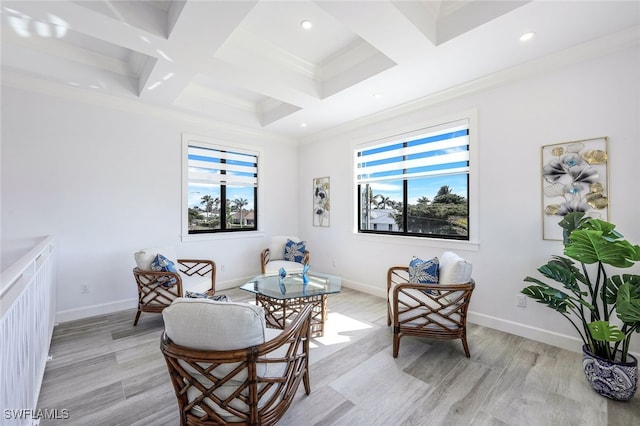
[(283, 299)]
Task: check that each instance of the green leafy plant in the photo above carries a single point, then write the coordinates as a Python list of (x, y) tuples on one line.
[(591, 295)]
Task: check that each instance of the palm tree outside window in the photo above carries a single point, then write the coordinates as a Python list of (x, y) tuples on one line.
[(416, 184), (221, 187)]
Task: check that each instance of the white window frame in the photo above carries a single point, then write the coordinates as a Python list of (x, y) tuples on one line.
[(189, 139), (472, 244)]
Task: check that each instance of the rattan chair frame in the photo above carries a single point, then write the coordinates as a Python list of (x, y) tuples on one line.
[(444, 318), (265, 257), (266, 398), (154, 294)]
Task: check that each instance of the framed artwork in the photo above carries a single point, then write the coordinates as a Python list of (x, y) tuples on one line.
[(321, 205), (575, 177)]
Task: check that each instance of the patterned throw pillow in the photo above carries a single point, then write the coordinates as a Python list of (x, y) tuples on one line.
[(162, 264), (216, 297), (423, 271), (294, 252)]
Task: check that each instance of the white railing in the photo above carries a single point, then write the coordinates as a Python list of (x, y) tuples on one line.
[(27, 309)]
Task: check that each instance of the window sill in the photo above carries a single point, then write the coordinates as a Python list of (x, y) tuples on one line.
[(190, 238), (440, 243)]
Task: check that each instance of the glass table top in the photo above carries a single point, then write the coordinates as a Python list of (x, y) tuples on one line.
[(292, 285)]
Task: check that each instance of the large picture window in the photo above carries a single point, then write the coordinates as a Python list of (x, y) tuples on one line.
[(416, 184), (221, 188)]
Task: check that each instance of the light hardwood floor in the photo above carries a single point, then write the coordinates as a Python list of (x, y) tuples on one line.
[(104, 371)]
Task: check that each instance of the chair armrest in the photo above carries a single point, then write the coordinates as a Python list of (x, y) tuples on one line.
[(265, 256), (435, 295), (435, 287), (201, 267), (152, 279), (397, 275), (297, 330)]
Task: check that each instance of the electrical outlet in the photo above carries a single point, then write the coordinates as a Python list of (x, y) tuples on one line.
[(521, 301), (84, 289)]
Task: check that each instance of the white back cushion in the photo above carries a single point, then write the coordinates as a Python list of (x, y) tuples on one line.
[(276, 247), (454, 269), (210, 325), (145, 256)]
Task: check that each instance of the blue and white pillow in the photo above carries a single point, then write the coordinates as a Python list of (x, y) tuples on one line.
[(424, 271), (216, 297), (162, 264), (294, 252)]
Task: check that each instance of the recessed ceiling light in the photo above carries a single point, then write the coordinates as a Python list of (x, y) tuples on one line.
[(303, 124), (306, 24), (527, 36), (377, 95)]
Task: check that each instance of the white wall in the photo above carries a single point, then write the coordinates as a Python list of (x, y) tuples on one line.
[(591, 99), (106, 181), (104, 178)]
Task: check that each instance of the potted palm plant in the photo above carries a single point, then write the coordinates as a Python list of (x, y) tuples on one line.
[(603, 308)]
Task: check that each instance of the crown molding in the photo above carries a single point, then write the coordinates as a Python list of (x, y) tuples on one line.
[(14, 79), (593, 49)]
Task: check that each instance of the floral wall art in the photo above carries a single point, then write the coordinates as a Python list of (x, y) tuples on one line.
[(321, 201), (574, 178)]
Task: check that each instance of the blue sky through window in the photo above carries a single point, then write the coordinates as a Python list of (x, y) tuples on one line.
[(422, 187)]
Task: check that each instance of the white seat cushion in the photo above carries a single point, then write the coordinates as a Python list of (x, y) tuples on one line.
[(274, 266), (404, 300)]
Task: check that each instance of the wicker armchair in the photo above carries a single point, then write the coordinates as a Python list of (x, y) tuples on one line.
[(227, 368), (157, 289), (273, 257), (437, 311)]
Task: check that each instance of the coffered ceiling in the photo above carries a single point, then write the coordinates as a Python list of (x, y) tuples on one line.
[(251, 63)]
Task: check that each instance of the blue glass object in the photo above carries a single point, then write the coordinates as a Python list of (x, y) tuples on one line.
[(305, 269), (281, 274)]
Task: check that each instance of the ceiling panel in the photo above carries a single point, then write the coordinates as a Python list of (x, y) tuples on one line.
[(250, 63)]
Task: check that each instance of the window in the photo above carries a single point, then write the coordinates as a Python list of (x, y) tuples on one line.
[(221, 188), (416, 184)]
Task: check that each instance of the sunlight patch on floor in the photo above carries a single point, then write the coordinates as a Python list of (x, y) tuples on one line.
[(338, 329)]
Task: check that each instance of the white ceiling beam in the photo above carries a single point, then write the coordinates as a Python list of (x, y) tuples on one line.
[(93, 24), (80, 75), (270, 83), (198, 31), (383, 25), (471, 15)]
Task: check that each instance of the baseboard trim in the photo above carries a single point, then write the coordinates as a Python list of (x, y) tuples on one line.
[(374, 291), (121, 305), (560, 340), (95, 310)]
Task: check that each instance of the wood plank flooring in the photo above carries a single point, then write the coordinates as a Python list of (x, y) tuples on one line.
[(104, 371)]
